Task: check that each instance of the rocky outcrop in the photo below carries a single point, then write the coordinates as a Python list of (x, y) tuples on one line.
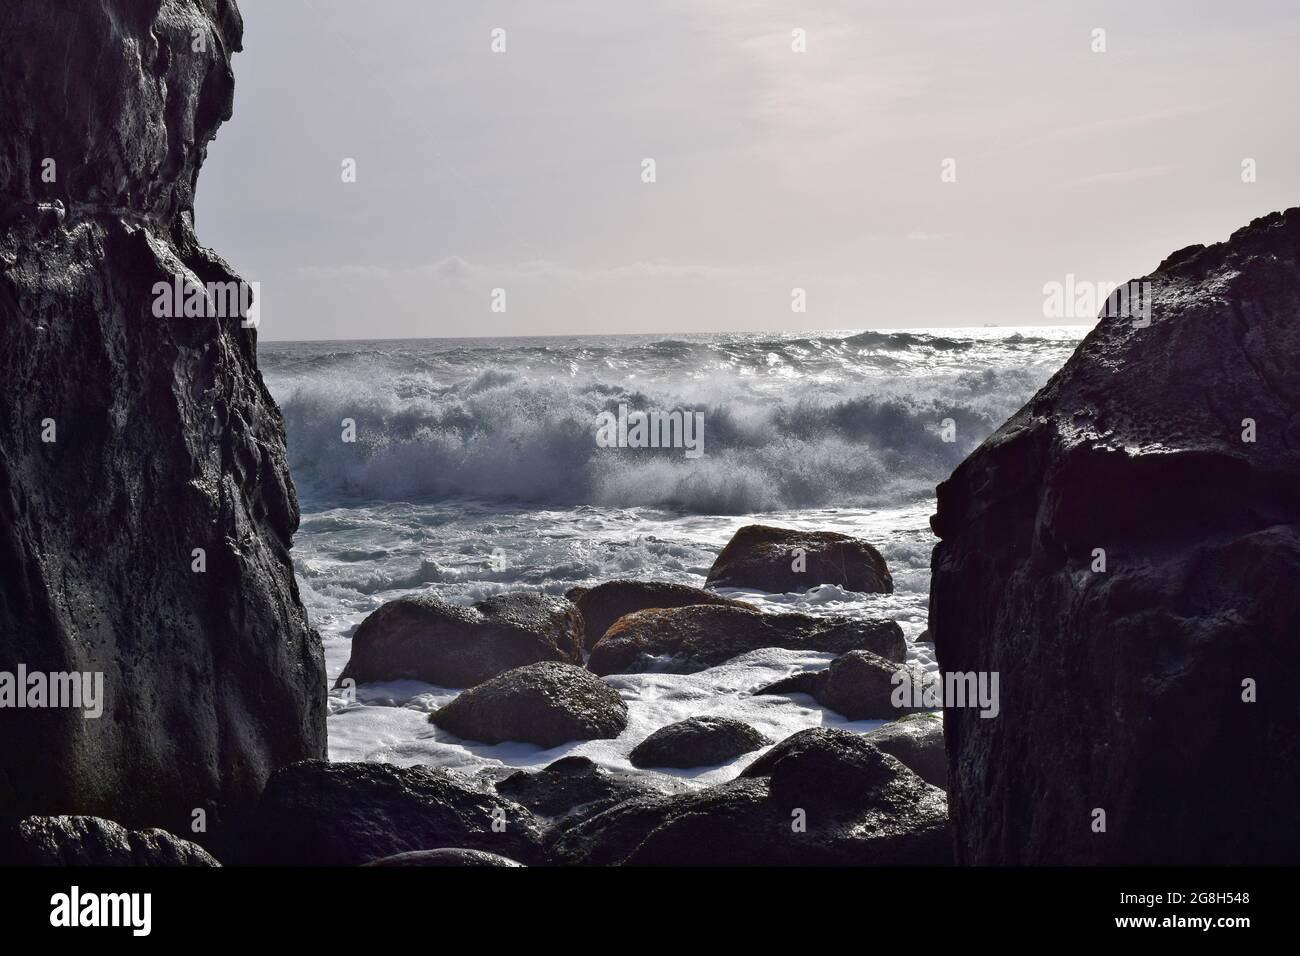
[(604, 604), (146, 510), (576, 783), (859, 685), (446, 857), (424, 638), (689, 639), (779, 560), (547, 704), (90, 841), (346, 814), (818, 798), (1124, 552), (697, 742), (917, 741)]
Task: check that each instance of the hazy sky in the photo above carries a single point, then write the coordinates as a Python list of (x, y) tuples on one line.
[(775, 169)]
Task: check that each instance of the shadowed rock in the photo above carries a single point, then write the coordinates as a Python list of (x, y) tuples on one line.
[(427, 639), (146, 509), (689, 639), (917, 741), (577, 783), (445, 857), (604, 604), (1124, 556), (777, 560), (697, 742), (819, 798), (345, 814), (859, 685), (545, 704), (91, 841)]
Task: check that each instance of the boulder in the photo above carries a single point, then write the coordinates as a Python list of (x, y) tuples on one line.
[(146, 507), (859, 685), (697, 742), (547, 704), (917, 741), (689, 639), (91, 841), (604, 604), (576, 783), (427, 639), (779, 560), (450, 856), (1123, 552), (345, 814), (819, 798)]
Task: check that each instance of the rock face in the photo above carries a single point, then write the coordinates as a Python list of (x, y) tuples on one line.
[(689, 639), (818, 798), (778, 560), (146, 509), (859, 685), (604, 604), (424, 638), (90, 841), (547, 704), (346, 814), (1122, 689), (917, 741), (697, 742)]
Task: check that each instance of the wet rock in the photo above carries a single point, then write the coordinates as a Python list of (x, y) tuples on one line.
[(146, 508), (445, 857), (689, 639), (577, 784), (547, 704), (917, 741), (427, 639), (601, 606), (697, 742), (778, 560), (345, 814), (819, 798), (91, 841), (858, 685), (1123, 552)]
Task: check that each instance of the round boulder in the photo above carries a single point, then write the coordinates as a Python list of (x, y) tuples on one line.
[(697, 742), (779, 560), (545, 704), (604, 604)]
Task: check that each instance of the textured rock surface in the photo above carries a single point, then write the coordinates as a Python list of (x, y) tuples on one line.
[(424, 638), (165, 441), (917, 741), (689, 639), (1122, 689), (547, 704), (346, 814), (604, 604), (90, 841), (447, 857), (574, 783), (697, 742), (765, 558), (859, 685), (860, 806)]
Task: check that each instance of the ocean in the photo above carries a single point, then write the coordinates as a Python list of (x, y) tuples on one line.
[(475, 470)]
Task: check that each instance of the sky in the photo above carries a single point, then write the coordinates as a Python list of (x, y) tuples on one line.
[(921, 164)]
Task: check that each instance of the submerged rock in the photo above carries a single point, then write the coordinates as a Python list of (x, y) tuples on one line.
[(697, 742), (778, 560), (917, 741), (146, 509), (604, 604), (91, 841), (427, 639), (445, 857), (689, 639), (547, 704), (344, 814), (1123, 552), (818, 798)]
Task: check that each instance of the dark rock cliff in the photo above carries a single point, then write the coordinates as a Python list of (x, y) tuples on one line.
[(1126, 559), (127, 441)]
